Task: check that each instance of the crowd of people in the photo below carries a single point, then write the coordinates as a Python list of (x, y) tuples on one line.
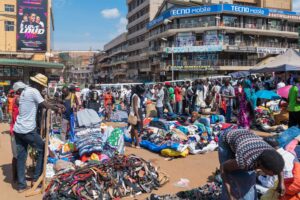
[(236, 100)]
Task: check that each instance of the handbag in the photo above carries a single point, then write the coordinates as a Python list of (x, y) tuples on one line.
[(132, 120)]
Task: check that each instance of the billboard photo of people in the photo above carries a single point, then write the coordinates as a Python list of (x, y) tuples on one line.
[(32, 25)]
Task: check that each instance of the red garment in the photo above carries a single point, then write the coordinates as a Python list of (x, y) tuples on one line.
[(178, 95), (107, 99), (15, 113)]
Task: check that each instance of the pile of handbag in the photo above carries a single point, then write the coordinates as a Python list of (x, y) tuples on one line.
[(118, 177)]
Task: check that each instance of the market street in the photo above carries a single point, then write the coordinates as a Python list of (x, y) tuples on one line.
[(196, 168)]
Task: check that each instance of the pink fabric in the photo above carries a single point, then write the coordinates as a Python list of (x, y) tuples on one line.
[(284, 92), (291, 146)]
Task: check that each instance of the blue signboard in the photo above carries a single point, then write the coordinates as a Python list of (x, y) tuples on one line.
[(195, 10), (232, 8), (245, 9), (159, 19)]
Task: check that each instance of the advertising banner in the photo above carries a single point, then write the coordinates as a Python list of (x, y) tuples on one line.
[(32, 18), (208, 48)]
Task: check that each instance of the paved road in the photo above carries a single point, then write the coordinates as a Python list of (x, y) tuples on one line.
[(195, 168)]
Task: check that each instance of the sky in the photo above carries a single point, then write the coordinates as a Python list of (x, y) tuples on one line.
[(87, 24), (90, 24)]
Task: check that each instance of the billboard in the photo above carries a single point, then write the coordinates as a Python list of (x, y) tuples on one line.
[(32, 18)]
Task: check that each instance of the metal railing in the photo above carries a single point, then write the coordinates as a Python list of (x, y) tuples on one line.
[(217, 62)]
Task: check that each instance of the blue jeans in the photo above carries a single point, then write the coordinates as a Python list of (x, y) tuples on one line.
[(35, 141), (196, 108), (160, 112), (179, 107), (242, 182), (169, 107), (227, 114)]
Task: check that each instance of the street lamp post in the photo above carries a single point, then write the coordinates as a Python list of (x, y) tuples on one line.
[(172, 67)]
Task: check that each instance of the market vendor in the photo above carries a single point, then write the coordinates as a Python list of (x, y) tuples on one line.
[(25, 127), (241, 152), (69, 103), (294, 104)]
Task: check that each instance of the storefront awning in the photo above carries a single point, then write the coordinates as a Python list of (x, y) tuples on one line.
[(30, 63)]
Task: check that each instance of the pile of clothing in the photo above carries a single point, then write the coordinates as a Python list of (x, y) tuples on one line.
[(118, 177), (99, 141), (175, 138), (264, 119)]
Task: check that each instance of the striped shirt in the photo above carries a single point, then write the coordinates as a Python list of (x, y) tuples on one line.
[(247, 147), (28, 106)]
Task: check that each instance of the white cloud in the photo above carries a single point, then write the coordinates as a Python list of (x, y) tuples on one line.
[(121, 26), (111, 13), (296, 5)]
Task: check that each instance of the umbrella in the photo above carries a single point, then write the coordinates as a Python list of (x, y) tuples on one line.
[(267, 94), (284, 92)]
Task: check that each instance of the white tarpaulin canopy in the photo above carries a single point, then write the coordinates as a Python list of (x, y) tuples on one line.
[(289, 61)]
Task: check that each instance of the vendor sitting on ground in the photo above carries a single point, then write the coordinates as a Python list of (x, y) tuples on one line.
[(194, 118), (289, 159), (241, 153)]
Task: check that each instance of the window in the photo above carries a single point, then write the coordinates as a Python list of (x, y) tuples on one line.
[(9, 8), (6, 71), (9, 26)]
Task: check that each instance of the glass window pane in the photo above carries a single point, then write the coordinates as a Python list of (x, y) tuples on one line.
[(6, 71), (14, 71), (20, 72)]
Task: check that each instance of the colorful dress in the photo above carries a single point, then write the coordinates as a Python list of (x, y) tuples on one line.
[(244, 111)]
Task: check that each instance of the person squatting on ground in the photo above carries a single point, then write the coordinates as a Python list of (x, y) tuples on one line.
[(241, 152)]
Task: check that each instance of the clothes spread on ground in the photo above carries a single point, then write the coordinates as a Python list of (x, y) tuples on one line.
[(88, 117)]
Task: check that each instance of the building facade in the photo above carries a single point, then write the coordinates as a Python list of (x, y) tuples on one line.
[(140, 12), (113, 63), (190, 42), (25, 40), (79, 66)]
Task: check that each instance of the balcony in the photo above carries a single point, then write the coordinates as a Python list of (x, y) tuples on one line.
[(194, 64), (200, 27)]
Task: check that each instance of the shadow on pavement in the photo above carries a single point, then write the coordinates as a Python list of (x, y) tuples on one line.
[(7, 174)]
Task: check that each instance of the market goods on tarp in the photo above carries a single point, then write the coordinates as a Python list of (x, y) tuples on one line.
[(118, 177)]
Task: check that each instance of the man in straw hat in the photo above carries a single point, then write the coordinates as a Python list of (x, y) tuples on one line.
[(25, 127)]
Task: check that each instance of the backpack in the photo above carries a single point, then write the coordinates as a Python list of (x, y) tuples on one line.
[(94, 96)]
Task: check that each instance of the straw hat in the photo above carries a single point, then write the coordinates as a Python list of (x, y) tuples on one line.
[(40, 79)]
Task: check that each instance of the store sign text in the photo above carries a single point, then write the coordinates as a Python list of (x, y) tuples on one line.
[(190, 49), (271, 50), (191, 68), (246, 9)]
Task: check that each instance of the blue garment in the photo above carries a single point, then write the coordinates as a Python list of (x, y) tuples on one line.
[(23, 140), (242, 182), (179, 107), (160, 112), (227, 114), (169, 107)]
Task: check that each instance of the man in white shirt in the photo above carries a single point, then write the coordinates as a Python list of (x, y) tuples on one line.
[(84, 95), (280, 84), (25, 127)]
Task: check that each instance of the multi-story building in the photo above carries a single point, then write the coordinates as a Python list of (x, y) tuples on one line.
[(79, 65), (113, 65), (140, 12), (25, 39), (217, 39)]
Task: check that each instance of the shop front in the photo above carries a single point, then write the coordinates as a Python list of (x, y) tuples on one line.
[(13, 70)]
